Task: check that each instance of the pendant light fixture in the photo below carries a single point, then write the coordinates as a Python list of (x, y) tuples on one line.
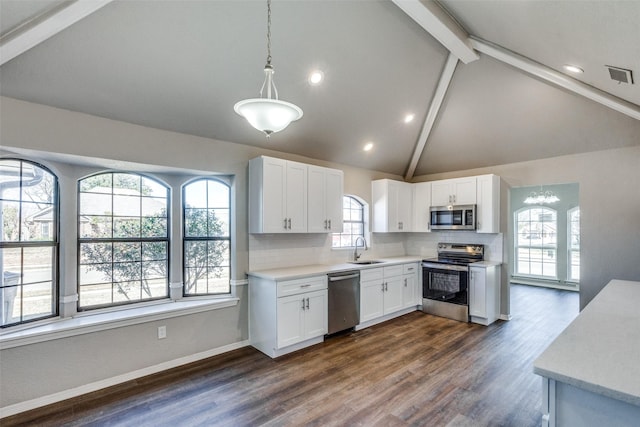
[(541, 198), (268, 114)]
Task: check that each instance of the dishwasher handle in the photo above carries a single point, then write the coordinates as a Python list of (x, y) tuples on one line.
[(350, 276)]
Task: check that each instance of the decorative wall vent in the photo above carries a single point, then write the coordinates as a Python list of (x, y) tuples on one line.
[(620, 75)]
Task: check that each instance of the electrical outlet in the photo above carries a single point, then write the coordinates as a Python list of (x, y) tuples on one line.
[(162, 332)]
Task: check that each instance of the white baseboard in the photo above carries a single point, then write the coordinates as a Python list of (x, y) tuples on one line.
[(108, 382), (505, 317)]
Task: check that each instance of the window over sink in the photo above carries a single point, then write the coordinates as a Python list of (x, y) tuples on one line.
[(354, 222)]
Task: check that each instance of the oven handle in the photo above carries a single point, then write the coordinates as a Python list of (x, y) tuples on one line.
[(450, 267)]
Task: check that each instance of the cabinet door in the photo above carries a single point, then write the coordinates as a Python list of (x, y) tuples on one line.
[(410, 283), (334, 191), (290, 318), (371, 300), (393, 197), (404, 207), (464, 191), (316, 195), (296, 197), (274, 188), (441, 193), (477, 293), (488, 199), (315, 314), (421, 205), (394, 288)]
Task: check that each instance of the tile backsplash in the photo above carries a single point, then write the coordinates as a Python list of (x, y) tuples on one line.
[(268, 251)]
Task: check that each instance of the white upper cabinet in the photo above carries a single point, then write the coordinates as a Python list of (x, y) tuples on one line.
[(324, 200), (293, 197), (421, 205), (458, 191), (488, 206), (277, 196), (392, 206)]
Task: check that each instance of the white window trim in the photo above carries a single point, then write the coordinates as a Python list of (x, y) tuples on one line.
[(516, 246), (365, 220)]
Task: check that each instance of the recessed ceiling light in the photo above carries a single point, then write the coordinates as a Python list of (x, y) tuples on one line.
[(368, 146), (316, 77), (573, 68), (409, 118)]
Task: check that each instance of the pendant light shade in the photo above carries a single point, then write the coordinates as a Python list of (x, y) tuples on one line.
[(268, 114)]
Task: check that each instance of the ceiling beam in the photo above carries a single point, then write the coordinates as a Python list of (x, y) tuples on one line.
[(552, 76), (437, 22), (432, 114), (45, 25)]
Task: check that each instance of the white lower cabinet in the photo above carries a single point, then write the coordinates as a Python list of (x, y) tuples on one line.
[(301, 317), (385, 291), (484, 294), (285, 316), (411, 295)]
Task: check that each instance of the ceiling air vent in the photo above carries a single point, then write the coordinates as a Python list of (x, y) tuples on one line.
[(620, 75)]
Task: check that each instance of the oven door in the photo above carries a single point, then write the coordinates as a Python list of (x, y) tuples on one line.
[(445, 282)]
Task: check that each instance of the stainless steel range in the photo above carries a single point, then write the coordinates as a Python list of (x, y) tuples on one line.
[(445, 280)]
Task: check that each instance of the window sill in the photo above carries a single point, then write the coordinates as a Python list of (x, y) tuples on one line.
[(88, 323)]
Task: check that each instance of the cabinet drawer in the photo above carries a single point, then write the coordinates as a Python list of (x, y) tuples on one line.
[(393, 270), (410, 268), (297, 286), (371, 274)]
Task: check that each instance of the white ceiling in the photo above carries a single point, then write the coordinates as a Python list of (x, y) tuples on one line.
[(182, 65)]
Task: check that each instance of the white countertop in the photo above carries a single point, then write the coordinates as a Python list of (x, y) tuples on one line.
[(600, 350), (289, 273), (299, 272)]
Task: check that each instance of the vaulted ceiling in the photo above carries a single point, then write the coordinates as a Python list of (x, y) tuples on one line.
[(182, 65)]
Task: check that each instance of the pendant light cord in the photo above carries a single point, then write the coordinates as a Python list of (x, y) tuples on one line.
[(268, 32)]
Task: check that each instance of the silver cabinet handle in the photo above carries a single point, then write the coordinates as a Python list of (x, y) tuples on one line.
[(285, 223), (307, 303), (289, 220), (325, 224), (303, 303), (305, 286), (386, 287), (382, 286), (329, 224), (405, 283)]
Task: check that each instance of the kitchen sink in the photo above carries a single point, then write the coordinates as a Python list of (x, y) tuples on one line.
[(366, 262)]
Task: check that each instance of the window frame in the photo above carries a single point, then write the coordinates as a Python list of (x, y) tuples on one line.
[(570, 248), (80, 240), (542, 247), (363, 208), (53, 243), (186, 239)]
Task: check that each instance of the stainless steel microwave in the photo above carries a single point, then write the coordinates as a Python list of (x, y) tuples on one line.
[(461, 217)]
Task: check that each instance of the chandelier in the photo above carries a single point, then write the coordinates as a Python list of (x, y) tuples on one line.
[(268, 114), (541, 198)]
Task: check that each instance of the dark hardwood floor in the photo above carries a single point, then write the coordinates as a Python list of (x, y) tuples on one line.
[(414, 370)]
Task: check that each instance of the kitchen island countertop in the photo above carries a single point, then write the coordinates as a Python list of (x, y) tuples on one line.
[(599, 350)]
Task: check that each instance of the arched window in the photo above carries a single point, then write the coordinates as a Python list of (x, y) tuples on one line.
[(123, 239), (29, 242), (573, 246), (536, 242), (353, 223), (207, 241)]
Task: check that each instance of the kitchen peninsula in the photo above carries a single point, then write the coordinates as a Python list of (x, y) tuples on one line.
[(591, 374)]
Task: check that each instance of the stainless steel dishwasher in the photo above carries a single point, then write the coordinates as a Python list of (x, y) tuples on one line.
[(344, 300)]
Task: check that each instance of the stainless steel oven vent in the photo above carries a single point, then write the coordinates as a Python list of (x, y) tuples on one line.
[(620, 75)]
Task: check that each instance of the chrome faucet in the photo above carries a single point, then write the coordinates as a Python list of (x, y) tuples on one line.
[(355, 250)]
